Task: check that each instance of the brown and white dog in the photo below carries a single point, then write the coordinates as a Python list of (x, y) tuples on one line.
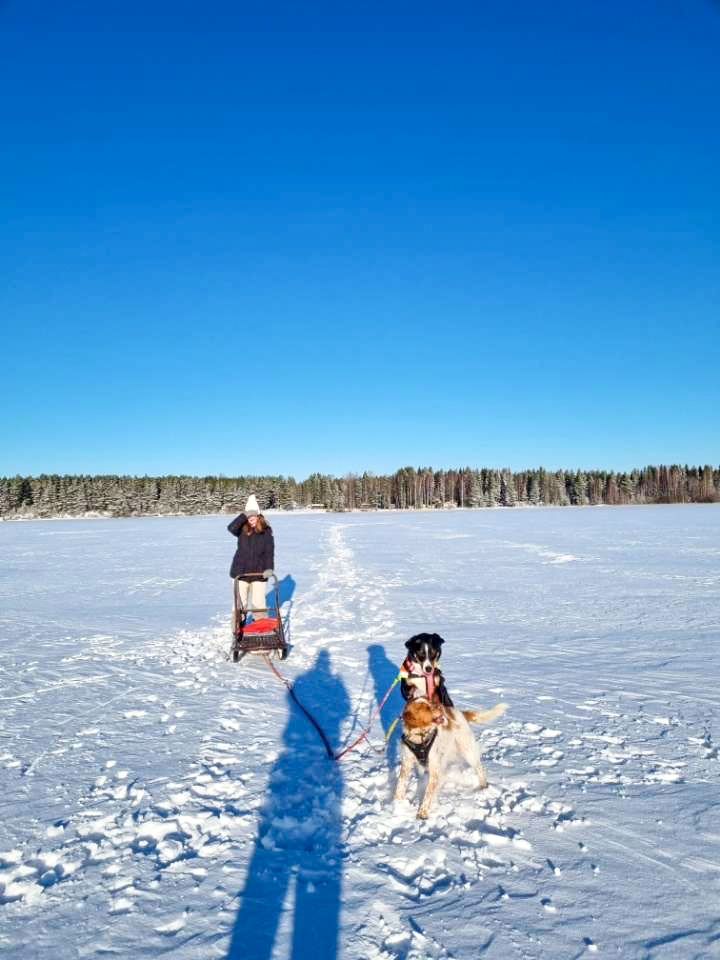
[(434, 735)]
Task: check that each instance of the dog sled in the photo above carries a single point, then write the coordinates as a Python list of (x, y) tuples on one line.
[(264, 635)]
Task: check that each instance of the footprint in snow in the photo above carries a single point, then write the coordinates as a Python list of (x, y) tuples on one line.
[(173, 926)]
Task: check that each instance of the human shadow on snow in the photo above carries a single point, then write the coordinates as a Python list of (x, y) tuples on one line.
[(286, 590), (383, 672), (298, 848)]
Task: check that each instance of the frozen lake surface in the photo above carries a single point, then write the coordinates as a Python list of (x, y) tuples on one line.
[(159, 800)]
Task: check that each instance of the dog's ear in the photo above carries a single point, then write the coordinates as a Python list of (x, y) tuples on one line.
[(438, 640), (409, 643)]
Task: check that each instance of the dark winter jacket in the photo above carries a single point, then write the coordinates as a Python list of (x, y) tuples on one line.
[(255, 551)]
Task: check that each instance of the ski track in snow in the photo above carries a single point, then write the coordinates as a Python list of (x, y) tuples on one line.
[(153, 787)]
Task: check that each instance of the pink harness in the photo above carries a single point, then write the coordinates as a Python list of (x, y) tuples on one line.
[(429, 678)]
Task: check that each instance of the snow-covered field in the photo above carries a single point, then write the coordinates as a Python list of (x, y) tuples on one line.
[(157, 799)]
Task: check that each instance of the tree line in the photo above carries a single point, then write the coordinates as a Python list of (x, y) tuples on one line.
[(52, 495)]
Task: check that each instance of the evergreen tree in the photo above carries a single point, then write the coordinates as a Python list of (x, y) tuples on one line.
[(507, 489), (475, 493), (533, 489), (578, 495)]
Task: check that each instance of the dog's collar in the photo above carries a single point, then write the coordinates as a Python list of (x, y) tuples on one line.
[(422, 749)]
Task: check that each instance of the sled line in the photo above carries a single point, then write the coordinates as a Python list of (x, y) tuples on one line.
[(332, 755)]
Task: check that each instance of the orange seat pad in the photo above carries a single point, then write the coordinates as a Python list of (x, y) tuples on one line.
[(266, 625)]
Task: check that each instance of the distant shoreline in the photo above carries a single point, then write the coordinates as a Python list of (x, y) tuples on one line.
[(409, 488), (273, 511)]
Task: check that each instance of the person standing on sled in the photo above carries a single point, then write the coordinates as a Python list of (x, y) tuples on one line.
[(254, 558)]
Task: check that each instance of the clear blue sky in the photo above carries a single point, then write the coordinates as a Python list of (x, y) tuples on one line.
[(278, 237)]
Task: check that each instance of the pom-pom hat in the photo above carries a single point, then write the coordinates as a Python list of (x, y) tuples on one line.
[(251, 507)]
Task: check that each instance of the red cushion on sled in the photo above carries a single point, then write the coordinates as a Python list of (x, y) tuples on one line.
[(266, 625)]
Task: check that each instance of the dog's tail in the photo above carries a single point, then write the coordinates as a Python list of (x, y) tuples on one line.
[(485, 716)]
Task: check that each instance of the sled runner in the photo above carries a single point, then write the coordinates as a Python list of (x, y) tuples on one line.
[(258, 636)]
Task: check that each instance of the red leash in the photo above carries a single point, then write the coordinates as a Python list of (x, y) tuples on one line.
[(366, 731)]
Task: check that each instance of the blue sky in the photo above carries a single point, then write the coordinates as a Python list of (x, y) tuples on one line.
[(274, 238)]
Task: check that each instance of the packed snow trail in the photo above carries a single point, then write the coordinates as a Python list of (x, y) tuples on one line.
[(160, 800)]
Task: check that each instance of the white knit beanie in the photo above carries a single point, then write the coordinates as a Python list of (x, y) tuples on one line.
[(251, 507)]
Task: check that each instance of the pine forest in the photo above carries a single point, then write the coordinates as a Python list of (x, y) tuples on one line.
[(52, 495)]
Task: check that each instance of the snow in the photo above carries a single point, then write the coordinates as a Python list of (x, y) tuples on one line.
[(157, 799)]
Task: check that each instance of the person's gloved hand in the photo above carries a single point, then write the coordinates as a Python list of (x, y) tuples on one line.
[(268, 573)]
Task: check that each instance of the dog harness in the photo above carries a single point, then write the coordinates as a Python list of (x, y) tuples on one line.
[(429, 678), (422, 749)]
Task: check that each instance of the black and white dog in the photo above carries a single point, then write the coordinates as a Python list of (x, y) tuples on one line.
[(420, 674)]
